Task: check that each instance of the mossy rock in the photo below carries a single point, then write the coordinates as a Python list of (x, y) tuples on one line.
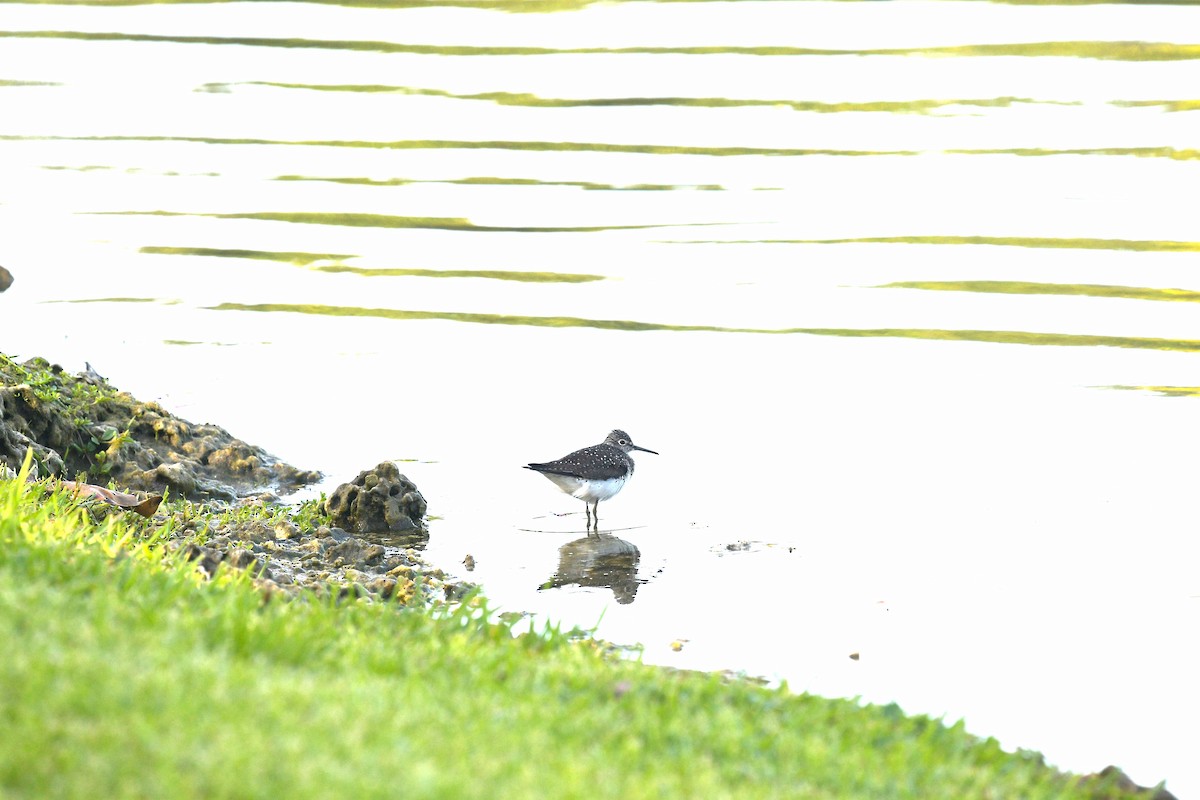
[(378, 500), (81, 425)]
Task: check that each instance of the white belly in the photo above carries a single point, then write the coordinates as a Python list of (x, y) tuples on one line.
[(587, 491)]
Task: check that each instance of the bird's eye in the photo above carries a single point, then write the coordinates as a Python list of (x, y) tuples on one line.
[(623, 441)]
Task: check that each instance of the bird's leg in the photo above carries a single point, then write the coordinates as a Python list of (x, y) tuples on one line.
[(596, 516), (587, 509)]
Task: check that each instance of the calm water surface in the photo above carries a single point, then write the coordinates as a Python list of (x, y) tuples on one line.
[(904, 294)]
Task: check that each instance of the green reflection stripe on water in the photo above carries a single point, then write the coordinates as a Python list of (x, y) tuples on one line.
[(85, 168), (1119, 51), (302, 259), (453, 144), (306, 259), (309, 44), (1165, 105), (415, 49), (1142, 245), (1165, 391), (531, 6), (566, 147), (605, 147), (514, 6), (535, 101), (355, 181), (1014, 337), (1178, 154), (1114, 51), (357, 220), (113, 300), (1078, 289), (8, 83), (639, 187), (494, 274), (995, 337), (487, 319), (1041, 2)]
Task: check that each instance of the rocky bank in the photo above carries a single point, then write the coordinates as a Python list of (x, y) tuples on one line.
[(222, 508)]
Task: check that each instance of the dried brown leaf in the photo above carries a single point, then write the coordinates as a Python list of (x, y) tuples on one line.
[(146, 507)]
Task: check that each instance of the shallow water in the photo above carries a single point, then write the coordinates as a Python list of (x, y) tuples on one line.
[(880, 282)]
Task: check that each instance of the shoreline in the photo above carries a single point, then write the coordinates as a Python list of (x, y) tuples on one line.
[(222, 503), (276, 551)]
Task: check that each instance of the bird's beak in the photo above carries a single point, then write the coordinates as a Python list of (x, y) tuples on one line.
[(644, 449)]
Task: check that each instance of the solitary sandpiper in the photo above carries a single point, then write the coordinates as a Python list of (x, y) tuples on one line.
[(594, 473)]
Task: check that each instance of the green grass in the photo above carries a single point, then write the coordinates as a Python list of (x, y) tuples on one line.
[(127, 675)]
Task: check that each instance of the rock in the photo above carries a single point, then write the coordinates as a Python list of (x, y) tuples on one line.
[(209, 558), (355, 551), (179, 478), (313, 546), (287, 557), (350, 551), (383, 586), (287, 530), (239, 557), (378, 500), (81, 425), (352, 591), (27, 421), (6, 279), (268, 588)]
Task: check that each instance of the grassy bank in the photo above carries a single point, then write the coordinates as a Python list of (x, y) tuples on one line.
[(128, 675)]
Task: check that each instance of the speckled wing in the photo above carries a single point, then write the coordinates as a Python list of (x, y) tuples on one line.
[(600, 462)]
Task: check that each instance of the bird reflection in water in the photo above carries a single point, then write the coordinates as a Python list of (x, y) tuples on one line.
[(599, 559)]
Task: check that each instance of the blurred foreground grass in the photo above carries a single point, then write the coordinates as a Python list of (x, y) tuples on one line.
[(127, 675)]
